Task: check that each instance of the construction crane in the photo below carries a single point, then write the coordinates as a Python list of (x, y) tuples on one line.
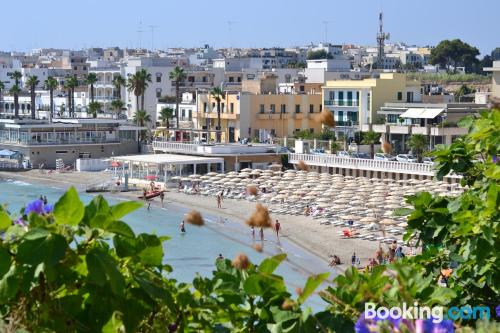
[(381, 38)]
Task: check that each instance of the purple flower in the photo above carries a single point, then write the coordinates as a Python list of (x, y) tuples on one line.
[(364, 325), (34, 207), (38, 207), (20, 222), (494, 158), (428, 326), (497, 310)]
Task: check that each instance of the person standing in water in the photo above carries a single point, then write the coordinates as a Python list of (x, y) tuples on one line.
[(252, 229), (149, 206), (261, 234), (162, 197), (277, 227), (183, 227)]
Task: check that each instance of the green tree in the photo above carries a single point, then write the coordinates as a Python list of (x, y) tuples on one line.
[(462, 92), (454, 53), (15, 91), (51, 84), (218, 94), (138, 83), (90, 80), (119, 82), (177, 75), (93, 108), (165, 115), (371, 138), (117, 105), (31, 83), (318, 55), (142, 118), (418, 144), (144, 79)]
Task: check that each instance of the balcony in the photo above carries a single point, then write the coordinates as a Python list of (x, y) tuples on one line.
[(363, 164), (340, 103), (272, 116), (61, 142)]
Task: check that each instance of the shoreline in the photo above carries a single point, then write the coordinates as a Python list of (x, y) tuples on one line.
[(320, 241)]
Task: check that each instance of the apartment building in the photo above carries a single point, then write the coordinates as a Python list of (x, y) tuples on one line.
[(495, 78)]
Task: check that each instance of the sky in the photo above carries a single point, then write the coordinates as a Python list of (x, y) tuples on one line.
[(237, 23)]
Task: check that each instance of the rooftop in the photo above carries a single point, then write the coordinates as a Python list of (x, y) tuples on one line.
[(169, 159)]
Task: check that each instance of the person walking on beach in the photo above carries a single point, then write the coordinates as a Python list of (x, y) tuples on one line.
[(252, 229), (183, 227), (261, 234), (353, 259), (219, 201), (162, 197), (277, 227)]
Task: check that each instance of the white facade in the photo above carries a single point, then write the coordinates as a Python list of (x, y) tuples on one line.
[(41, 73)]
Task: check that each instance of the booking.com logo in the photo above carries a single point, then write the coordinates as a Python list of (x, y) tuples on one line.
[(436, 313)]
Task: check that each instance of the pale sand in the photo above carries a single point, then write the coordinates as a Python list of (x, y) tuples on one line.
[(320, 240)]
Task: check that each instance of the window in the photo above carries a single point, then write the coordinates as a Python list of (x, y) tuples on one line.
[(222, 107), (301, 88), (61, 151), (297, 108), (239, 79), (231, 107), (311, 108), (205, 107), (349, 98), (400, 95), (158, 77), (213, 106), (262, 108), (341, 98), (204, 79), (331, 94), (231, 79), (273, 108), (84, 68), (409, 96), (311, 130), (75, 68), (283, 108), (158, 93)]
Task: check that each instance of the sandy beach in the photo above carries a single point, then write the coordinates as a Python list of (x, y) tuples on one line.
[(319, 240)]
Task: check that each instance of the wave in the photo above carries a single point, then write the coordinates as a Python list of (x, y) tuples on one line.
[(18, 182)]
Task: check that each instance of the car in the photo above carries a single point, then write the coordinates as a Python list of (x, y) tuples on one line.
[(406, 158), (343, 153), (360, 155), (428, 160), (318, 151), (383, 157)]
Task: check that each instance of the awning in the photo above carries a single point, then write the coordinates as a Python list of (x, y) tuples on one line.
[(7, 153), (421, 113)]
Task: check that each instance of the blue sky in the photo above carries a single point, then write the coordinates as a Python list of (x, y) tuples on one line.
[(265, 23)]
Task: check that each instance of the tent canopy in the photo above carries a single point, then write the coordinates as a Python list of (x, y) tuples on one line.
[(422, 113), (7, 153)]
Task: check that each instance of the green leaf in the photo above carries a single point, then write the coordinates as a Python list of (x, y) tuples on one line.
[(69, 209), (9, 285), (102, 268), (120, 228), (49, 250), (5, 221), (402, 212), (5, 261), (150, 249), (269, 265), (312, 283), (123, 208)]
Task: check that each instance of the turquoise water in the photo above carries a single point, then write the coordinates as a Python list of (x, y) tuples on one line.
[(196, 250)]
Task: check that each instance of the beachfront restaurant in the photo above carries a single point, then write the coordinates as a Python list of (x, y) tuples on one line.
[(162, 167)]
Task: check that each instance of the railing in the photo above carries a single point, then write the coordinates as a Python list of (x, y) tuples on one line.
[(341, 103), (174, 146), (362, 164), (59, 142)]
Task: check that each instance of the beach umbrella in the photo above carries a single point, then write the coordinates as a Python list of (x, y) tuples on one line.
[(323, 200), (246, 170), (349, 217), (323, 205), (115, 164), (387, 222), (368, 219)]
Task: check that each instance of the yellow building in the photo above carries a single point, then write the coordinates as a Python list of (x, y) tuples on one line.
[(356, 102), (258, 116)]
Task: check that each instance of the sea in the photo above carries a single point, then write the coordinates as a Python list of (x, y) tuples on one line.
[(195, 251)]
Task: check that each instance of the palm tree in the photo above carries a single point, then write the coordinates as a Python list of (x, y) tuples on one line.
[(93, 108), (144, 79), (71, 84), (165, 115), (218, 94), (134, 85), (418, 144), (51, 85), (141, 117), (15, 90), (119, 82), (90, 80), (2, 87), (31, 84), (117, 105), (178, 75), (371, 138)]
